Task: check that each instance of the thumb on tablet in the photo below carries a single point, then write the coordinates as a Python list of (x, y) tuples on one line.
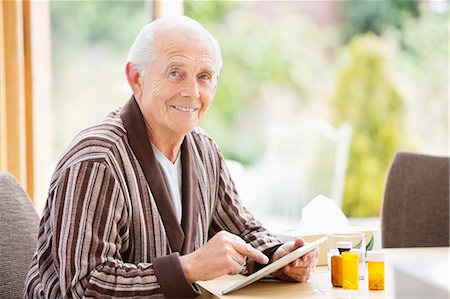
[(298, 243)]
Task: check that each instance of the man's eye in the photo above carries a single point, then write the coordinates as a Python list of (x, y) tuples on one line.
[(204, 77), (174, 74)]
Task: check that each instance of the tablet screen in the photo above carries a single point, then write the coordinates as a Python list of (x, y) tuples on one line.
[(278, 264)]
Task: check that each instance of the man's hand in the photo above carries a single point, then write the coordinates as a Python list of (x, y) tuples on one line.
[(300, 269), (224, 253)]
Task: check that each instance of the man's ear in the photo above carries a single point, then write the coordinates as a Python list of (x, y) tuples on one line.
[(134, 79)]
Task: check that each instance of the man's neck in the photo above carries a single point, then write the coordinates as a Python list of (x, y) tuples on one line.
[(168, 144), (169, 150)]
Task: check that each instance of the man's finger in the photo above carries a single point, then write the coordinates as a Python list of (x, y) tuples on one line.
[(298, 274), (248, 251), (298, 243), (239, 258)]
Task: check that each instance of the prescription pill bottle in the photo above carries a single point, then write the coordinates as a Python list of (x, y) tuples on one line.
[(336, 263), (375, 265), (350, 275)]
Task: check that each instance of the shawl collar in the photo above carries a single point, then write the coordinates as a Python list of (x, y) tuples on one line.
[(181, 238)]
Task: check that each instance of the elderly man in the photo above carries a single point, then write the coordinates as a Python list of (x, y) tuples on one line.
[(143, 204)]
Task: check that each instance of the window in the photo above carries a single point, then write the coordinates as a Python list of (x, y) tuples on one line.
[(90, 41)]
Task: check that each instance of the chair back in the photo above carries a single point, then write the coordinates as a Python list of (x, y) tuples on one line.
[(415, 211), (19, 224)]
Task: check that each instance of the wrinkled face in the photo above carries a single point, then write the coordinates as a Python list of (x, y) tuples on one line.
[(179, 85)]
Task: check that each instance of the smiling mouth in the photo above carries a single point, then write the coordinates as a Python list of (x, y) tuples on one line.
[(184, 109)]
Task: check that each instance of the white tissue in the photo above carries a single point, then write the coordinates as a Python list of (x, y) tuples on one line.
[(322, 215)]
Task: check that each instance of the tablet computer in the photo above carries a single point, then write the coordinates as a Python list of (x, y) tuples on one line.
[(278, 264)]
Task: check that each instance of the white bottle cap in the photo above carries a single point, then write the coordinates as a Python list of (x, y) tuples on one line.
[(347, 294), (344, 245), (375, 256)]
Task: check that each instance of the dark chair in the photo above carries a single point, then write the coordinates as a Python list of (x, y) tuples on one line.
[(415, 210), (19, 224)]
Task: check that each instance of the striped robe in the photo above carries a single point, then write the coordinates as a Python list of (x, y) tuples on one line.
[(109, 228)]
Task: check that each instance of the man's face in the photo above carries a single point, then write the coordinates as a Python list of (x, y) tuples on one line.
[(179, 85)]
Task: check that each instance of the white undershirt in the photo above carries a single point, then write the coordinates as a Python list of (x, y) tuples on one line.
[(172, 177)]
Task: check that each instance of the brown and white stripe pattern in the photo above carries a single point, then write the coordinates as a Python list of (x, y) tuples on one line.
[(108, 229)]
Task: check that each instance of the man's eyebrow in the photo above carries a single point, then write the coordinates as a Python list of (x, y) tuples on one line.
[(174, 64), (177, 64), (208, 69)]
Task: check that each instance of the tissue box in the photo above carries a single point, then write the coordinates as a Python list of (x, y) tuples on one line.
[(286, 236)]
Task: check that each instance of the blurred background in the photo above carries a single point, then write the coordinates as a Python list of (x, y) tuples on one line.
[(315, 97)]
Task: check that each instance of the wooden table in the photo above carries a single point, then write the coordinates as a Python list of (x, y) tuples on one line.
[(319, 285)]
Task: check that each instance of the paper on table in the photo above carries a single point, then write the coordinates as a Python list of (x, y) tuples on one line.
[(322, 215)]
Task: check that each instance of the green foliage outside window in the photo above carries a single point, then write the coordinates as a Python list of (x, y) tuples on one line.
[(265, 62), (367, 99), (375, 90), (375, 16), (90, 40), (268, 60)]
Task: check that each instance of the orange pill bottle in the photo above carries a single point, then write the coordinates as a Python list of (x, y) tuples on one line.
[(375, 265), (350, 275)]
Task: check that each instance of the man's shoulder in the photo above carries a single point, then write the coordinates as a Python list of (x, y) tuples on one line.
[(96, 142), (105, 133), (200, 136), (198, 131), (204, 144)]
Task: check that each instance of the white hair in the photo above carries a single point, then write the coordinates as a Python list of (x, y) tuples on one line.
[(141, 53)]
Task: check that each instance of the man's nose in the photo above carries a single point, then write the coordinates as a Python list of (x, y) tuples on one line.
[(190, 89)]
